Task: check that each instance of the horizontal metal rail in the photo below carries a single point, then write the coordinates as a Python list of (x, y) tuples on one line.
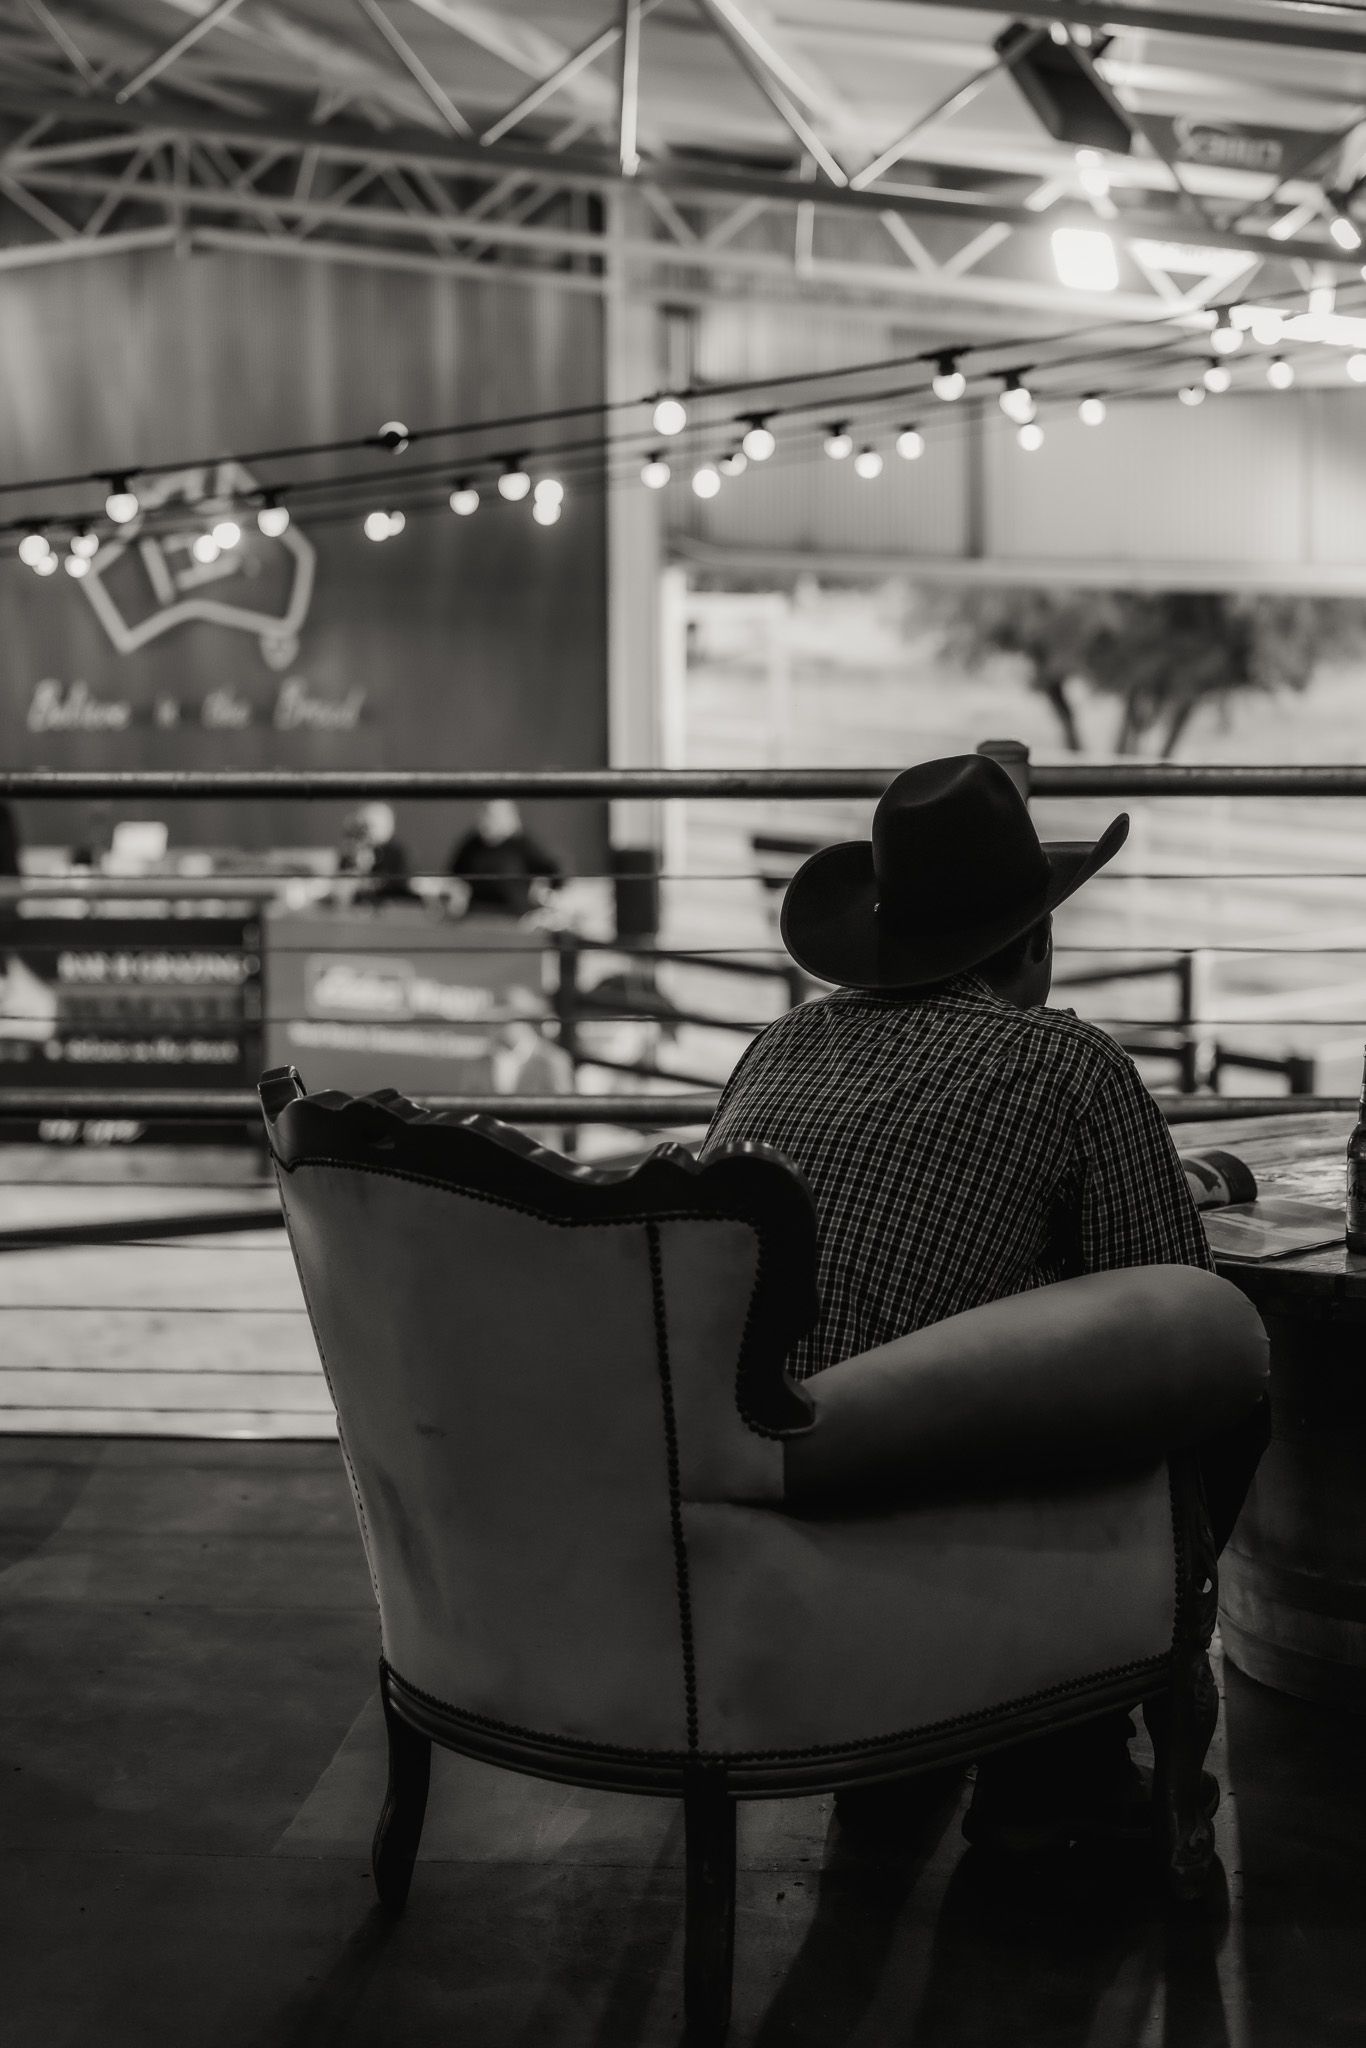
[(1062, 779), (221, 1105)]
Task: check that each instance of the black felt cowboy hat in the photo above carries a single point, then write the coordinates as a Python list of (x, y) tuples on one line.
[(954, 871)]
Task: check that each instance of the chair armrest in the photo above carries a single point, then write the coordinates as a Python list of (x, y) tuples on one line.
[(1105, 1373)]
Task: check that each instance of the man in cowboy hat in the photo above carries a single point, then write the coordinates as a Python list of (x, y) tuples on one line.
[(962, 1143)]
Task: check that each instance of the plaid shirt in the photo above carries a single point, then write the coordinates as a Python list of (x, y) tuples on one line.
[(957, 1149)]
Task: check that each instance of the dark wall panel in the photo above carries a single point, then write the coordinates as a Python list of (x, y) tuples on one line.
[(463, 643)]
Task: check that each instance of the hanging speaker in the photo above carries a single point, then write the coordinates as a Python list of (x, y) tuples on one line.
[(1057, 82)]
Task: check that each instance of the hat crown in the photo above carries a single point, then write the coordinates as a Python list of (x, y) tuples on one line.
[(953, 842)]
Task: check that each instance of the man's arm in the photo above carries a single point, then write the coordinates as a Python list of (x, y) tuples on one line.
[(1136, 1209)]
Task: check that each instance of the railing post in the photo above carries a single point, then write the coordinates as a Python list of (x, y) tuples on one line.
[(1301, 1074), (1199, 1056), (567, 951), (1013, 756)]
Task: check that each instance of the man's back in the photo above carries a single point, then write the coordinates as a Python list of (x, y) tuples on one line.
[(958, 1149)]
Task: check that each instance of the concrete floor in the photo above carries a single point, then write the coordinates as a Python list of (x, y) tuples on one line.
[(193, 1760)]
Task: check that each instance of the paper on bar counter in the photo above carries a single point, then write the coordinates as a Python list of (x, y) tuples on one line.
[(1241, 1225)]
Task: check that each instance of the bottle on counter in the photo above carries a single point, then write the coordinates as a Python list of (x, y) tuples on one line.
[(1356, 1178)]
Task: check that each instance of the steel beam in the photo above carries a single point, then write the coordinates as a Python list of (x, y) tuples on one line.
[(1322, 26), (182, 43), (416, 69)]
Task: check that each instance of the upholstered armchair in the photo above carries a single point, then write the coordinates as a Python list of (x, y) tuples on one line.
[(613, 1544)]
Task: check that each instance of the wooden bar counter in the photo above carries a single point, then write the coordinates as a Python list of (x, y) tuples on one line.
[(1293, 1578)]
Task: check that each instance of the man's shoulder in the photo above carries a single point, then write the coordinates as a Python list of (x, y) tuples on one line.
[(1087, 1049)]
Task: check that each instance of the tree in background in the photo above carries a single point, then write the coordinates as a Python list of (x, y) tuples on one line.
[(1160, 654)]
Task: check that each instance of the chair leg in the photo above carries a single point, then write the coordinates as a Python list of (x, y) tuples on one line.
[(709, 1941), (1182, 1721), (405, 1804)]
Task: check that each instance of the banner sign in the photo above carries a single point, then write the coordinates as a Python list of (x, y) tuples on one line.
[(1239, 145), (128, 1002)]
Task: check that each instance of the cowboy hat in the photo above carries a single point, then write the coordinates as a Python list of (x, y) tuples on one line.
[(954, 871)]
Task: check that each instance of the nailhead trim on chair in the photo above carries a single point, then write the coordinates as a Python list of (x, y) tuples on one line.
[(680, 1541), (859, 1745)]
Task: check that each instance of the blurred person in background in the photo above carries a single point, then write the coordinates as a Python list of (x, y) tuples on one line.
[(372, 852), (505, 870)]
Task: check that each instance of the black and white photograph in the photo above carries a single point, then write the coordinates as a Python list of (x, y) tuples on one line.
[(682, 1024)]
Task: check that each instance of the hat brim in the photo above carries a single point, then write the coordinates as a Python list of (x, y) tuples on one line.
[(830, 927)]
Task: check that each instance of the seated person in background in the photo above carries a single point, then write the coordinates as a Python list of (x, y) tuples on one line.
[(961, 1143), (372, 851), (504, 869)]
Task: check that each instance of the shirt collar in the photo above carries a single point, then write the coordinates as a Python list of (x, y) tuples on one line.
[(967, 987)]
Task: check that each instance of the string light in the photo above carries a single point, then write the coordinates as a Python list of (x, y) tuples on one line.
[(378, 525), (1091, 411), (397, 522), (205, 549), (868, 464), (1030, 436), (839, 442), (1017, 400), (121, 504), (655, 472), (1323, 298), (1085, 259), (464, 499), (393, 435), (1218, 377), (1280, 374), (85, 543), (910, 444), (1356, 368), (734, 464), (227, 533), (33, 547), (1226, 339), (514, 483), (1093, 173), (77, 565), (549, 491), (948, 381), (758, 442), (706, 481), (273, 517), (1192, 394), (545, 511), (46, 565), (1344, 232), (670, 416)]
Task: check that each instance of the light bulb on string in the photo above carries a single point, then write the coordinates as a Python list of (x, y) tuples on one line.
[(758, 442), (1017, 400), (376, 526), (655, 472), (1218, 377), (549, 491), (1091, 411), (545, 511), (227, 533), (1192, 394), (1344, 232), (33, 547), (273, 517), (121, 504), (868, 464), (1093, 173), (734, 464), (670, 416), (948, 382), (84, 543), (910, 444), (393, 435), (77, 565), (1322, 299), (46, 565), (205, 549), (1280, 374), (839, 442), (464, 499), (1226, 339), (1030, 436), (706, 481), (397, 522), (1356, 368), (514, 483)]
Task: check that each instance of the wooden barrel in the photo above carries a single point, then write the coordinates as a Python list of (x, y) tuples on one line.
[(1292, 1580)]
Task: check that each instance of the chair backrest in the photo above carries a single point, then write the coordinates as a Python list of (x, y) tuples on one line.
[(533, 1363)]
